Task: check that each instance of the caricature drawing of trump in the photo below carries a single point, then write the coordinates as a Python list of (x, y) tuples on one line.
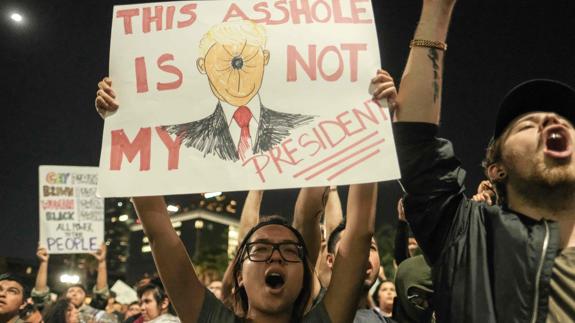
[(233, 57)]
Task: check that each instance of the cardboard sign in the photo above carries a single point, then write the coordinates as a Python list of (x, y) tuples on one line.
[(238, 95), (124, 293), (71, 215)]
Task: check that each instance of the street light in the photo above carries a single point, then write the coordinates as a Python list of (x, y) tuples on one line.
[(70, 278)]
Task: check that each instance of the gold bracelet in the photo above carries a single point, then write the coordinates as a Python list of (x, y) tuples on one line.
[(428, 43)]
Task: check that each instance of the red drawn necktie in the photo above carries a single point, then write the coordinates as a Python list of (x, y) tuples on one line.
[(243, 115)]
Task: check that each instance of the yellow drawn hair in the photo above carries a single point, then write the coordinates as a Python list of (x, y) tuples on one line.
[(233, 33)]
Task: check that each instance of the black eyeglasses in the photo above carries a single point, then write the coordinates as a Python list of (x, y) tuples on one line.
[(263, 251)]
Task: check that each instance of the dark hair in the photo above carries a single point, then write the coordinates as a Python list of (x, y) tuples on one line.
[(240, 295), (21, 281), (375, 295), (334, 237), (79, 286), (492, 156), (159, 293), (56, 313)]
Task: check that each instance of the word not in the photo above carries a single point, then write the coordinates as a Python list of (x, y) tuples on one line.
[(328, 135), (315, 62), (302, 12), (72, 244), (162, 17), (57, 204), (59, 216), (57, 191)]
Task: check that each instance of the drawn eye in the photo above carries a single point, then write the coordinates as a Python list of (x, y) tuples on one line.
[(237, 62)]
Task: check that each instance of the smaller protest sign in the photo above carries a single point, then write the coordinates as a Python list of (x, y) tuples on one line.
[(71, 215), (124, 293)]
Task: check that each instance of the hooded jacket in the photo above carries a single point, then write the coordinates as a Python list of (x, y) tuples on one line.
[(489, 263)]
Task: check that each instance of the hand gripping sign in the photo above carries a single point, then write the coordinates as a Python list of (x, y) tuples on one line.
[(237, 95)]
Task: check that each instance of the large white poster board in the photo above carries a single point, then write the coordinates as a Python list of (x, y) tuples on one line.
[(71, 215), (237, 95)]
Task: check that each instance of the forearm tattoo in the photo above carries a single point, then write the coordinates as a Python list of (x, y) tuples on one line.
[(434, 57)]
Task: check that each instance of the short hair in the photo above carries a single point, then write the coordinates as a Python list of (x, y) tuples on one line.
[(21, 281), (492, 156), (82, 287), (334, 237), (158, 292), (233, 32)]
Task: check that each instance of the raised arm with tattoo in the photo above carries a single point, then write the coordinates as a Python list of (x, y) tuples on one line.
[(424, 69)]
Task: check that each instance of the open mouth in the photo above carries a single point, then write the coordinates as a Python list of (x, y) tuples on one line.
[(274, 280), (557, 142)]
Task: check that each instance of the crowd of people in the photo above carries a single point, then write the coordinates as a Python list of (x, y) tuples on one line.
[(505, 255)]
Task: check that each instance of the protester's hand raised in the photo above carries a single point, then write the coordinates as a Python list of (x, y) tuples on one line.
[(42, 254), (100, 255), (106, 103), (383, 87), (401, 211)]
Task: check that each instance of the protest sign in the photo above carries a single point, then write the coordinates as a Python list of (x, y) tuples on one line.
[(71, 215), (237, 95), (124, 293)]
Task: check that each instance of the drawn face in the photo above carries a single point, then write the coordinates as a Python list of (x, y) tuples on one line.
[(235, 72), (273, 286)]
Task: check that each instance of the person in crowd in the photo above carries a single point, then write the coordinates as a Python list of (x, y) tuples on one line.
[(248, 219), (510, 262), (405, 246), (271, 270), (384, 297), (216, 288), (365, 312), (317, 213), (133, 310), (76, 293), (62, 311), (13, 295), (155, 304), (30, 313), (414, 291)]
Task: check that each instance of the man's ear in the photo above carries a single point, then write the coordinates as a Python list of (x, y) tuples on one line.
[(201, 65), (266, 56), (496, 172), (330, 259), (165, 304)]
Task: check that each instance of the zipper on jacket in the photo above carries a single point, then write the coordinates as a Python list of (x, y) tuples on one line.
[(538, 276)]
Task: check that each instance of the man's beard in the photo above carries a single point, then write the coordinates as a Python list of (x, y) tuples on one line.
[(551, 187)]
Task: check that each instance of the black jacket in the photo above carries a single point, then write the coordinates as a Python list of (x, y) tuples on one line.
[(211, 134), (489, 264)]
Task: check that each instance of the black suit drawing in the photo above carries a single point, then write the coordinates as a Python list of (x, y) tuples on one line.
[(211, 135)]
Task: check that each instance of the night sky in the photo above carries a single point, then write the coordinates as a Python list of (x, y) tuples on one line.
[(50, 67)]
